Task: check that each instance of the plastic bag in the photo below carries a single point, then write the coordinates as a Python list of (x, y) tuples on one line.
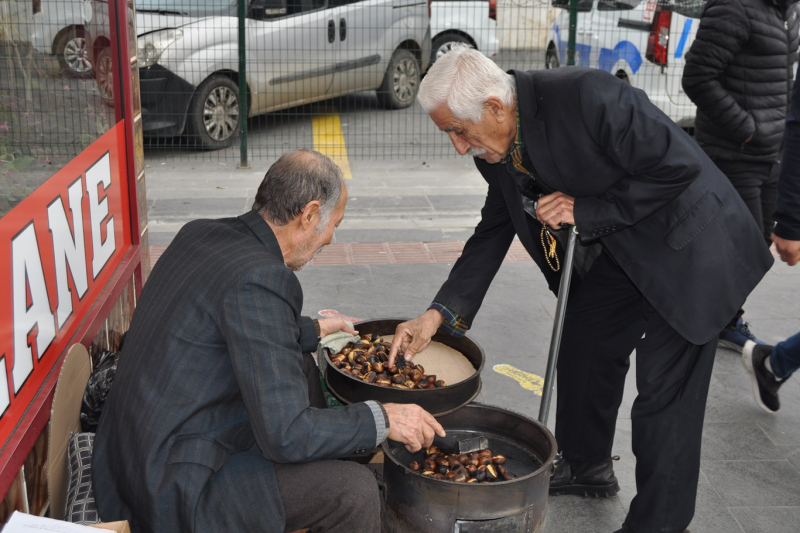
[(94, 398)]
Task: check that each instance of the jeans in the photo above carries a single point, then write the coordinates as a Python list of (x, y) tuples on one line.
[(785, 357)]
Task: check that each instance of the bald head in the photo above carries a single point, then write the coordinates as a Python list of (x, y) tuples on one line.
[(294, 180)]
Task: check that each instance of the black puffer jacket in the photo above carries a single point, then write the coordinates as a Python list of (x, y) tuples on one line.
[(739, 73)]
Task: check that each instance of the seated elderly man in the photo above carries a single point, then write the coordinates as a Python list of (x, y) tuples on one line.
[(671, 253), (216, 421)]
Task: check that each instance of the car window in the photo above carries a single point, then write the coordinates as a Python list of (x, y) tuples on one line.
[(583, 5), (191, 8), (294, 7), (337, 3), (617, 5)]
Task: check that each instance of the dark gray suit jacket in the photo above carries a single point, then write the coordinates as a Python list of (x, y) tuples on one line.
[(643, 188), (212, 367)]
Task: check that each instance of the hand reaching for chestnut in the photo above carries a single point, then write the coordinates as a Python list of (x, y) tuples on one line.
[(412, 425)]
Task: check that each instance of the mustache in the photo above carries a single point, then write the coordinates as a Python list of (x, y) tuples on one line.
[(475, 152)]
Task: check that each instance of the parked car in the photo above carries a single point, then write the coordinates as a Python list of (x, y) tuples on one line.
[(473, 22), (298, 52), (641, 41), (59, 29)]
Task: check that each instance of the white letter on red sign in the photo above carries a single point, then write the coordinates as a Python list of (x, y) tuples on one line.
[(5, 397), (98, 211), (27, 272), (68, 250)]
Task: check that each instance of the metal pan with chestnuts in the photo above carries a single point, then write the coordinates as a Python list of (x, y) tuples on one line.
[(476, 467), (367, 360)]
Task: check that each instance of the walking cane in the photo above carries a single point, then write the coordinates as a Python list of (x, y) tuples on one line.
[(558, 326)]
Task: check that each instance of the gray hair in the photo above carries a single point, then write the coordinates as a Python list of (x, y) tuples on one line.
[(464, 79), (295, 179)]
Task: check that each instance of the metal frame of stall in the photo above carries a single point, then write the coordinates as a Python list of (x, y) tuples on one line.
[(22, 422)]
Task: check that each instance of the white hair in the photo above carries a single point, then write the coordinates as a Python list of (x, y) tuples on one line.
[(465, 79)]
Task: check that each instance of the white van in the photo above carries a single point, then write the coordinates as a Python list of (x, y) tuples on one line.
[(473, 22), (641, 41), (298, 52)]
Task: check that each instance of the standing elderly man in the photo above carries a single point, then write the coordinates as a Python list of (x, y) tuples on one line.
[(216, 420), (678, 254)]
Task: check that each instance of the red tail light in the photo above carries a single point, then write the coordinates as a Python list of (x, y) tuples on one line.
[(429, 8), (493, 9), (658, 42)]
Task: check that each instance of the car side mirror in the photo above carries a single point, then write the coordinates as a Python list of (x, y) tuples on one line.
[(267, 9)]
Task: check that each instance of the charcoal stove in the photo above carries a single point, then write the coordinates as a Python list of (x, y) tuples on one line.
[(416, 503)]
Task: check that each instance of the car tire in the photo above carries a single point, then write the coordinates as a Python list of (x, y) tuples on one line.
[(551, 59), (213, 121), (443, 42), (401, 81), (104, 75), (70, 49)]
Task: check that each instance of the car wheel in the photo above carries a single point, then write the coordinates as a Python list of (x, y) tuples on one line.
[(70, 49), (104, 75), (401, 81), (551, 59), (444, 42), (213, 121)]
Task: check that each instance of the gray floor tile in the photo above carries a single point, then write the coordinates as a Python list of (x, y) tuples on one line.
[(792, 453), (730, 441), (458, 202), (573, 514), (754, 483), (198, 207), (768, 519), (711, 515)]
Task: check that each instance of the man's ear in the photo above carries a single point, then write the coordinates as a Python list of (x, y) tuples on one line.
[(309, 218), (496, 108)]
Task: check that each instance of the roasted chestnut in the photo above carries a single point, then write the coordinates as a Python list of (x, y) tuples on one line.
[(410, 384), (377, 367), (479, 474), (413, 465), (463, 459), (443, 461), (432, 450), (439, 383), (442, 469), (491, 473), (471, 469), (397, 378), (398, 386), (427, 472), (431, 379), (498, 459), (483, 461), (461, 478)]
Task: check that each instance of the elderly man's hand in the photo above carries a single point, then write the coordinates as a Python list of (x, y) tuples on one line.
[(788, 250), (412, 425), (555, 209), (415, 335), (334, 325)]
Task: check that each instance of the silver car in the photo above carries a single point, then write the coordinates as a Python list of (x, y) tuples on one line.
[(298, 52)]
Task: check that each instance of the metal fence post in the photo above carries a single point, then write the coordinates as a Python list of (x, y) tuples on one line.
[(573, 27), (242, 86)]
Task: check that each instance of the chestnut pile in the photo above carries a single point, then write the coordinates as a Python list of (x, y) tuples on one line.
[(368, 360), (476, 467)]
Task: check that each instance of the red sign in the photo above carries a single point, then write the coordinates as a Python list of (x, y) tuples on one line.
[(58, 249)]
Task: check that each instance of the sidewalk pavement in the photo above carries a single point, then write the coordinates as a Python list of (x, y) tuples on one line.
[(750, 479)]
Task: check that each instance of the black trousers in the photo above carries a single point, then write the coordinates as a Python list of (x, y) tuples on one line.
[(607, 318), (757, 184)]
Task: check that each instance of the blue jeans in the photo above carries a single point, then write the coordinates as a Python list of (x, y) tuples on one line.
[(785, 357)]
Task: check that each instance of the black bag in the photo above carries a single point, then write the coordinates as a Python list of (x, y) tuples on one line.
[(94, 398)]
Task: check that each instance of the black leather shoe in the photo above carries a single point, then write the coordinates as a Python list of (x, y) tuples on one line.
[(584, 478), (626, 530)]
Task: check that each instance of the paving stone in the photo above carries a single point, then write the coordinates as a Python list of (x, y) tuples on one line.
[(767, 519), (573, 514), (755, 483), (744, 441)]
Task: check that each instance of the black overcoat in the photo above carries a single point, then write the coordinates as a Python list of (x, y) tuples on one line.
[(643, 189)]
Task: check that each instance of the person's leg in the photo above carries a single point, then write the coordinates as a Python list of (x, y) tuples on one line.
[(747, 179), (769, 199), (672, 378), (604, 321), (785, 358), (330, 496), (333, 496)]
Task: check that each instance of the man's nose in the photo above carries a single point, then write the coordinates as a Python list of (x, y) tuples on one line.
[(460, 145)]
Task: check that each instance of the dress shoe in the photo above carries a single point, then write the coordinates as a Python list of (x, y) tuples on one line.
[(584, 478), (626, 530)]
